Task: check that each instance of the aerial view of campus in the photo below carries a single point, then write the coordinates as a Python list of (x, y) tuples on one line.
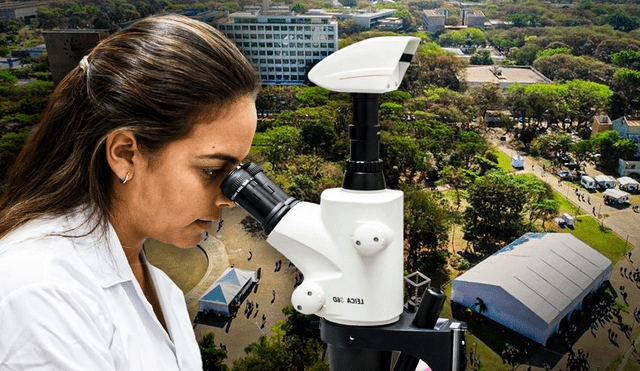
[(504, 180)]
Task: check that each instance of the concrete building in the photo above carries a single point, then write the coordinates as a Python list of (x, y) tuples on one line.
[(472, 18), (535, 282), (504, 76), (434, 19), (628, 168), (368, 19), (23, 11), (390, 24), (67, 47), (600, 123), (283, 46), (628, 128)]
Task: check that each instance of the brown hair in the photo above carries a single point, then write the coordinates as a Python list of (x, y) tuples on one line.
[(156, 78)]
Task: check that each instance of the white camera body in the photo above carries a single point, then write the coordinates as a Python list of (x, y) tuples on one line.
[(375, 65)]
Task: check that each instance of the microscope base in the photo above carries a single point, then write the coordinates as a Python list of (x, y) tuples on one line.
[(370, 348)]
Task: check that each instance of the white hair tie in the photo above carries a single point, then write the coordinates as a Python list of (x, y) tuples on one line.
[(84, 63)]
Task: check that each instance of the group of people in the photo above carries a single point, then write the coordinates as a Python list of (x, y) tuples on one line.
[(578, 361)]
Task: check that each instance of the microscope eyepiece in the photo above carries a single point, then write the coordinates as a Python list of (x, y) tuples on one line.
[(251, 189)]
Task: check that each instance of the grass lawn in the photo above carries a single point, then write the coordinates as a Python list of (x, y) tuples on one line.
[(566, 206), (490, 359), (173, 260), (504, 161), (606, 242), (631, 366)]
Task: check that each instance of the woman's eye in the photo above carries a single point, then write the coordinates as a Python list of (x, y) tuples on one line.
[(211, 173)]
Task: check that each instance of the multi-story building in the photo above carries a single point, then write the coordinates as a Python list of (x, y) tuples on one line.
[(434, 19), (473, 18), (282, 45), (368, 19)]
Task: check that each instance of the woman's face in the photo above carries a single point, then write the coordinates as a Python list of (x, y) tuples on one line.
[(176, 198)]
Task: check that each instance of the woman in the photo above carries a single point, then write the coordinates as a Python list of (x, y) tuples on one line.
[(133, 145)]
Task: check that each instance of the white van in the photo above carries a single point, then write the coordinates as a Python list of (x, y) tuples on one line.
[(568, 219), (588, 182)]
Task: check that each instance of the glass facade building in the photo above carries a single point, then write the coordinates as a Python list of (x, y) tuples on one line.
[(282, 46)]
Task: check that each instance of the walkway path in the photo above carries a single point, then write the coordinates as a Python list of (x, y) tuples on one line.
[(217, 262)]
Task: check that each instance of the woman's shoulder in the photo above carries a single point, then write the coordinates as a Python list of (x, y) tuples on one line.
[(39, 253)]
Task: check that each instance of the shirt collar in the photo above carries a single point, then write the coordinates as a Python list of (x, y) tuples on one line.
[(100, 249)]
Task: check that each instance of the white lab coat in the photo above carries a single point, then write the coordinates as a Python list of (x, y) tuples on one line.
[(74, 304)]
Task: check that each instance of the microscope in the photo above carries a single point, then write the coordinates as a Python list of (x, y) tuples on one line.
[(350, 246)]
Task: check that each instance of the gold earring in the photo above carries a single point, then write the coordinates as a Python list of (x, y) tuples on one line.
[(126, 178)]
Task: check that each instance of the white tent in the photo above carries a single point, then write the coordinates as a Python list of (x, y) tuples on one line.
[(230, 286), (605, 181), (530, 285), (628, 184), (616, 196), (517, 161)]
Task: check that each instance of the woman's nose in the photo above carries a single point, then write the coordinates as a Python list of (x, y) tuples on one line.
[(221, 201)]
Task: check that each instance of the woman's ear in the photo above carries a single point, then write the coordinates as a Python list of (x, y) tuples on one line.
[(122, 153)]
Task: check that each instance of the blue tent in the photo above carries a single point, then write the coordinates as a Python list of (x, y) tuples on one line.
[(232, 284)]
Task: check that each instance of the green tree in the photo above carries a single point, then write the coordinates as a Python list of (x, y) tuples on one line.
[(546, 102), (212, 356), (319, 136), (627, 86), (313, 96), (296, 346), (582, 150), (627, 59), (605, 143), (550, 52), (541, 203), (402, 155), (486, 97), (622, 21), (7, 78), (456, 178), (565, 67), (427, 221), (495, 212), (282, 145), (432, 66), (525, 55), (587, 99), (626, 148), (482, 57), (300, 7)]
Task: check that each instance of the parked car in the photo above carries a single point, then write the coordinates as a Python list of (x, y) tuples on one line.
[(564, 174), (572, 165)]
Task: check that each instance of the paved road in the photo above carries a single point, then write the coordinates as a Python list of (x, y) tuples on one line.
[(624, 222)]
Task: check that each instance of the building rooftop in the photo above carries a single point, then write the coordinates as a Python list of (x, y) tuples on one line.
[(505, 74)]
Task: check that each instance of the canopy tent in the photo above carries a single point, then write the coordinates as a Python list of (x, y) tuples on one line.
[(517, 161), (533, 283), (628, 184), (616, 196), (226, 291), (605, 181)]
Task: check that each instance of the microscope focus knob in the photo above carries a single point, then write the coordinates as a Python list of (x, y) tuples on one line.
[(371, 238), (308, 298)]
